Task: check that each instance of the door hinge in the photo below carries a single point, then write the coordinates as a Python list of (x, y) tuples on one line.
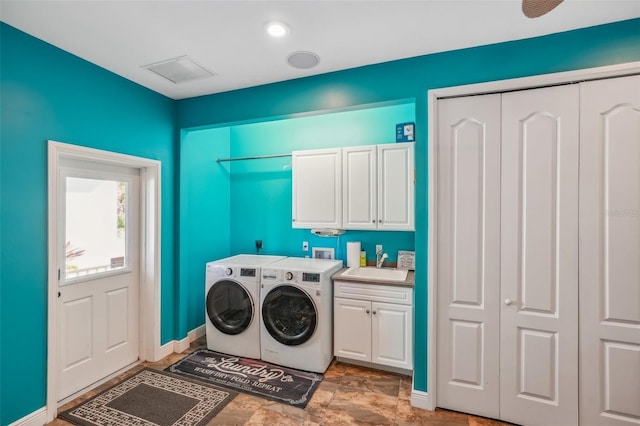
[(58, 274)]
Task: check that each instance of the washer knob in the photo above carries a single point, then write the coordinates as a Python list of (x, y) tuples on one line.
[(289, 276), (229, 271)]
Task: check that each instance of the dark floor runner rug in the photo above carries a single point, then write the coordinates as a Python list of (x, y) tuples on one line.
[(255, 377), (152, 397)]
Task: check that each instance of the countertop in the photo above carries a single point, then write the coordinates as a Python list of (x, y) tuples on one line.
[(408, 282)]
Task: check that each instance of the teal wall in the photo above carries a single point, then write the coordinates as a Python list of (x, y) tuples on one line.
[(50, 94), (411, 79), (204, 218)]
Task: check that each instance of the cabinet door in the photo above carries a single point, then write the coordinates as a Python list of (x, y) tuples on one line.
[(359, 198), (396, 187), (317, 188), (392, 335), (610, 252), (352, 329)]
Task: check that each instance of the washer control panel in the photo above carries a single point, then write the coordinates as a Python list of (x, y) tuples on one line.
[(248, 272), (217, 272), (276, 276), (310, 277)]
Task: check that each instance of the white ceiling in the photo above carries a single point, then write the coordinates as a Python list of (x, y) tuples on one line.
[(227, 37)]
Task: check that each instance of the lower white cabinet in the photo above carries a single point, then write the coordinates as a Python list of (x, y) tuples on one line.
[(374, 323)]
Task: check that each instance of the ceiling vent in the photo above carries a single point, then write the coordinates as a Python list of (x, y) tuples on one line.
[(180, 70)]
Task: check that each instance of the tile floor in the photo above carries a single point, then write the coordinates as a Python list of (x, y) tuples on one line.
[(348, 395)]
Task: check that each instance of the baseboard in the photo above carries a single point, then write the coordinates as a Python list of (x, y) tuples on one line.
[(166, 349), (37, 418), (422, 400), (197, 333), (179, 346)]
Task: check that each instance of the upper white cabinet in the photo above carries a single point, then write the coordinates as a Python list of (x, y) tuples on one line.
[(362, 187), (396, 185), (317, 188)]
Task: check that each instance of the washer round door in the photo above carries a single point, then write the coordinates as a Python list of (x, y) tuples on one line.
[(289, 315), (229, 307)]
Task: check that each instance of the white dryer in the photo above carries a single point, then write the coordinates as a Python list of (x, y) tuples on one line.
[(232, 299), (296, 303)]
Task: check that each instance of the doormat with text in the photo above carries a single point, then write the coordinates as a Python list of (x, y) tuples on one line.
[(255, 377), (152, 397)]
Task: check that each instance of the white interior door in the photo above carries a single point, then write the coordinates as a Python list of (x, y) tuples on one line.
[(539, 257), (99, 273), (610, 252), (468, 245)]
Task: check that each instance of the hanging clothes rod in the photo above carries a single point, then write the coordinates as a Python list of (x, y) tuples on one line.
[(252, 157)]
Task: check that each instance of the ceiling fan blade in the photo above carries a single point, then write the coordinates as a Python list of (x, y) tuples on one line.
[(537, 8)]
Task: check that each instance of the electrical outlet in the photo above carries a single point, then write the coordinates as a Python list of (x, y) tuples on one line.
[(305, 246)]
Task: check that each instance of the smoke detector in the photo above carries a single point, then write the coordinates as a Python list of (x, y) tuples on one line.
[(180, 70)]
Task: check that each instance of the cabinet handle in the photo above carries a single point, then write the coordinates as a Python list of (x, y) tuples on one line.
[(367, 311), (373, 221), (379, 220), (374, 312)]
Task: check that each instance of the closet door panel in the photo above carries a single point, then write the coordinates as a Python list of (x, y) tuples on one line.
[(538, 186), (610, 252), (468, 240), (539, 257)]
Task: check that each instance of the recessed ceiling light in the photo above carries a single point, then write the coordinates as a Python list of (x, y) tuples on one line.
[(276, 29), (303, 60)]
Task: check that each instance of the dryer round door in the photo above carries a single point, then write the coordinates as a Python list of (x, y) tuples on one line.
[(229, 307), (289, 315)]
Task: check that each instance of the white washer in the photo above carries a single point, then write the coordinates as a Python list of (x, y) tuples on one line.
[(232, 299), (296, 304)]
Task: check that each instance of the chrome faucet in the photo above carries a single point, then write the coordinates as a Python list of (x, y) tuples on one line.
[(380, 257)]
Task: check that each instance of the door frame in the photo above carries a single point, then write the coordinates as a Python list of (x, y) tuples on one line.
[(430, 400), (150, 225)]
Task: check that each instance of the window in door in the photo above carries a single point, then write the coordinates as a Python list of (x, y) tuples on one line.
[(95, 226)]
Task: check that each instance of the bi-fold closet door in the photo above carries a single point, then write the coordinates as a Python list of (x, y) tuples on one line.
[(610, 252), (517, 174)]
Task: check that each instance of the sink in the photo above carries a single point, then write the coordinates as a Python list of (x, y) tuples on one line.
[(382, 274)]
